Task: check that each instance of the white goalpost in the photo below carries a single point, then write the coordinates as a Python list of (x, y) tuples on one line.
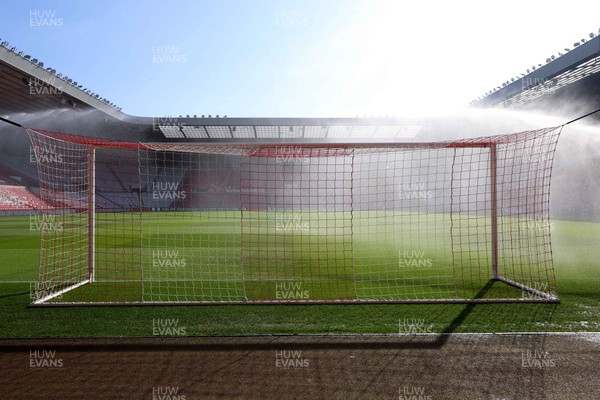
[(310, 223)]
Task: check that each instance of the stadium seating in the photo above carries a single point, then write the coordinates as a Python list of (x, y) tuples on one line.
[(14, 198)]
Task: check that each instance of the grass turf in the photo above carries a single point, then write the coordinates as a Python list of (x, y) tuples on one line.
[(576, 257)]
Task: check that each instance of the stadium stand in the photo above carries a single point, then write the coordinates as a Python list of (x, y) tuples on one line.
[(15, 195), (14, 198), (16, 171)]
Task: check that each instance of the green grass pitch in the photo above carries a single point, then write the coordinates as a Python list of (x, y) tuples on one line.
[(576, 255)]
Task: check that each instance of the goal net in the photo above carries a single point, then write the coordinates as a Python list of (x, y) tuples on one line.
[(214, 223)]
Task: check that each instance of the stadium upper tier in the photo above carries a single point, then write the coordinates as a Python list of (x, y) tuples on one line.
[(565, 72), (34, 94)]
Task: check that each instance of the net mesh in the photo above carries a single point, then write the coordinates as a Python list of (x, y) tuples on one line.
[(202, 223)]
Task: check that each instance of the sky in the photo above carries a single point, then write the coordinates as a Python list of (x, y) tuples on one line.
[(303, 58)]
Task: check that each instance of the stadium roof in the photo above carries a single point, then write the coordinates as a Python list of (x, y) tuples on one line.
[(28, 87), (581, 62)]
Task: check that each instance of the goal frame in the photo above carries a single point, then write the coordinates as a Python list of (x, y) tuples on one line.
[(495, 275)]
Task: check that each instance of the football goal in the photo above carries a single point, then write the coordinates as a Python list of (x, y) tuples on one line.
[(295, 222)]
